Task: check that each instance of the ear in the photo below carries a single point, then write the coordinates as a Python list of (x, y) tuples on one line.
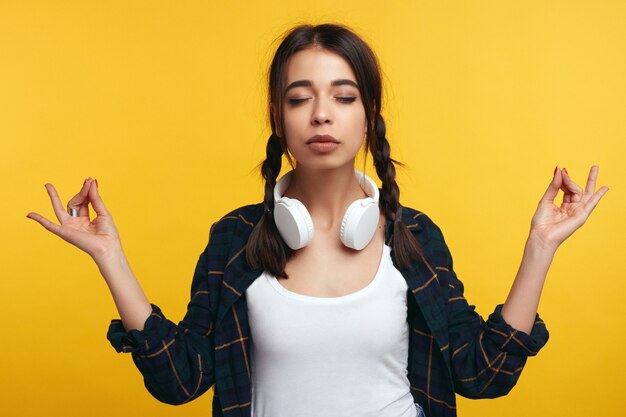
[(277, 125), (371, 124), (374, 112)]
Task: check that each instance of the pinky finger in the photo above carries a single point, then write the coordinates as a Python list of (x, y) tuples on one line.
[(47, 224)]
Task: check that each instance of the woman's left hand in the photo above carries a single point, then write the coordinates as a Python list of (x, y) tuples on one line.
[(552, 224)]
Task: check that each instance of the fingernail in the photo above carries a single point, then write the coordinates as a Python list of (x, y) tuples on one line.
[(564, 169), (96, 182), (555, 168)]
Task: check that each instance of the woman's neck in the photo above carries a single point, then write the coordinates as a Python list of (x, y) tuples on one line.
[(326, 194)]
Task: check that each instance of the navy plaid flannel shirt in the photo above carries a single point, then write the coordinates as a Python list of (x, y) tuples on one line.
[(451, 349)]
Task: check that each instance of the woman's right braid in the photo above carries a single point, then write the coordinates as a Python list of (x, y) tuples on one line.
[(266, 248), (386, 171), (405, 246)]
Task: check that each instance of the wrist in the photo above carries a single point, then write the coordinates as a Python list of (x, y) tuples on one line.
[(109, 256), (537, 244)]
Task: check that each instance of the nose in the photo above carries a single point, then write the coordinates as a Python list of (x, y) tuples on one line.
[(321, 113)]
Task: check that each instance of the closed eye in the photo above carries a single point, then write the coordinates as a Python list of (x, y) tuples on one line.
[(294, 101), (346, 99)]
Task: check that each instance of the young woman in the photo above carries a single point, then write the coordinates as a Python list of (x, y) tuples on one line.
[(329, 298)]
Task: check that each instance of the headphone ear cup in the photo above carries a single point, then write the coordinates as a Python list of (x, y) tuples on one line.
[(359, 223), (293, 222)]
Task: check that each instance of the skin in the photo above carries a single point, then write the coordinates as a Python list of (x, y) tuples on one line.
[(550, 226), (325, 183), (100, 239), (322, 108)]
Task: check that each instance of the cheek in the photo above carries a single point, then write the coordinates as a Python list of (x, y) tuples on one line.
[(291, 121), (359, 125), (358, 119), (291, 135)]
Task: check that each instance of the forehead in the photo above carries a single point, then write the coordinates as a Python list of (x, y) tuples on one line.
[(318, 65)]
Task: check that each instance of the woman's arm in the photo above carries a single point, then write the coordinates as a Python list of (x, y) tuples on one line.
[(99, 238), (130, 300), (175, 360), (550, 226), (486, 357)]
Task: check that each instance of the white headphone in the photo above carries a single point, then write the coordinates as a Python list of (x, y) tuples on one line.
[(357, 227)]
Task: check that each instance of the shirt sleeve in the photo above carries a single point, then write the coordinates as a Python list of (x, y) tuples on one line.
[(487, 357), (176, 361)]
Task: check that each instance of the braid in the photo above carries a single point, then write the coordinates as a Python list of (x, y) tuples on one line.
[(405, 247), (386, 171), (270, 169), (265, 248)]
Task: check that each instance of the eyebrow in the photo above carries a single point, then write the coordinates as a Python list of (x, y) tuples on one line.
[(309, 83)]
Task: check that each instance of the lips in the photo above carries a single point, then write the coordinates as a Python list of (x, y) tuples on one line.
[(323, 144), (321, 139)]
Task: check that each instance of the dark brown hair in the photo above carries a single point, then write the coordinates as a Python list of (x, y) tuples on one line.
[(266, 249)]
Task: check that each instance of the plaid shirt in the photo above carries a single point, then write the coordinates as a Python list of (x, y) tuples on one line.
[(451, 349)]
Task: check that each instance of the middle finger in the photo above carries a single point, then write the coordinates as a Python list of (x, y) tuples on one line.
[(81, 201), (573, 189)]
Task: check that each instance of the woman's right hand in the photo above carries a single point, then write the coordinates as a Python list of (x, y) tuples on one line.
[(97, 237)]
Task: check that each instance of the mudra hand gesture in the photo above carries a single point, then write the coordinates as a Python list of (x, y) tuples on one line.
[(96, 237), (552, 224)]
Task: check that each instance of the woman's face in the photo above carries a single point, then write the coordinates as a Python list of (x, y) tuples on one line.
[(323, 115)]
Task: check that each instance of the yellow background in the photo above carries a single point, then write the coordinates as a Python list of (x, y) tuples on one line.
[(164, 103)]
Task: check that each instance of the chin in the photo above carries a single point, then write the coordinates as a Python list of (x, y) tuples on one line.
[(324, 163)]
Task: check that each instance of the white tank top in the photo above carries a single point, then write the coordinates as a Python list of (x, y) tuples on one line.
[(331, 356)]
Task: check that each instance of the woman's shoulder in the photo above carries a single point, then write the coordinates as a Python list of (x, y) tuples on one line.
[(425, 230), (231, 232), (249, 214), (417, 220), (243, 218)]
